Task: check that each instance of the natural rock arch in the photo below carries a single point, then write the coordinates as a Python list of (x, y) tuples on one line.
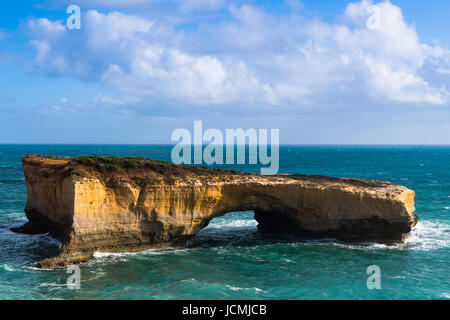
[(125, 204)]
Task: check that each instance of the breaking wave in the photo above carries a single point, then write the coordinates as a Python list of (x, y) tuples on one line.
[(429, 235), (7, 267), (226, 224), (243, 289)]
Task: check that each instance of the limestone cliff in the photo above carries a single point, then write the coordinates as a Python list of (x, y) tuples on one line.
[(132, 204)]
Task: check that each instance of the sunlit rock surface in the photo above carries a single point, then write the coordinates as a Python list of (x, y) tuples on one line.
[(133, 204)]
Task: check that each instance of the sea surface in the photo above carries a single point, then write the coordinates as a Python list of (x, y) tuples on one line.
[(230, 259)]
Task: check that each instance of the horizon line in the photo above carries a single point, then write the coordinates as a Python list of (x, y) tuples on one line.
[(269, 144)]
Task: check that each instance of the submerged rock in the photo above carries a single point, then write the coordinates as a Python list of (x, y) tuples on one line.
[(133, 204)]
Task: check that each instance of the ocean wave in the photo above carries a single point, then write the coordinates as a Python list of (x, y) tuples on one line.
[(429, 235), (233, 224), (34, 268), (57, 285), (426, 236), (243, 289), (107, 257), (235, 288), (7, 267), (18, 215), (100, 256), (226, 232)]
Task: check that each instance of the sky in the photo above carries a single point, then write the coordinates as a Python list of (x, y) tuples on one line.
[(320, 71)]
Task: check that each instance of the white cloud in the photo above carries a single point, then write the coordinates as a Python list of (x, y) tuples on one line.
[(388, 59), (114, 29), (106, 100), (201, 80), (251, 58), (403, 86), (74, 106), (393, 39), (46, 28)]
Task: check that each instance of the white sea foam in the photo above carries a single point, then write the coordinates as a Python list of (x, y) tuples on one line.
[(233, 224), (429, 235), (38, 269), (426, 236), (446, 295), (243, 289), (7, 267), (53, 285), (100, 256), (234, 288), (97, 275)]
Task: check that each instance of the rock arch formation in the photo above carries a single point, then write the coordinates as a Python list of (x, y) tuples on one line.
[(133, 204)]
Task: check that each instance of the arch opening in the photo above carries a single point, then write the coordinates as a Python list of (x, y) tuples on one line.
[(246, 228), (238, 227)]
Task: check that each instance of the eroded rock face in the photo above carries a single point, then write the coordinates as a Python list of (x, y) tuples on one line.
[(121, 205)]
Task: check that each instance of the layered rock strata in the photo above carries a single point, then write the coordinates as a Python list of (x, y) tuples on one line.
[(133, 204)]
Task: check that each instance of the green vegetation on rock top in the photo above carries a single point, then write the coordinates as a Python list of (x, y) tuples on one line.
[(114, 163)]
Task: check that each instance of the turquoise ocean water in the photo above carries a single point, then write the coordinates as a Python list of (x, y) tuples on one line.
[(229, 259)]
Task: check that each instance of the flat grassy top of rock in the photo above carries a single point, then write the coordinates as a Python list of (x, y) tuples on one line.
[(110, 164), (141, 169)]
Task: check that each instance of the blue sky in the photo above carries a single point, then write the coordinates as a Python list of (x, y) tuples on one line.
[(139, 69)]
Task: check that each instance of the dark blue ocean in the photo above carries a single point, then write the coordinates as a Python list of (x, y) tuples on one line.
[(229, 259)]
